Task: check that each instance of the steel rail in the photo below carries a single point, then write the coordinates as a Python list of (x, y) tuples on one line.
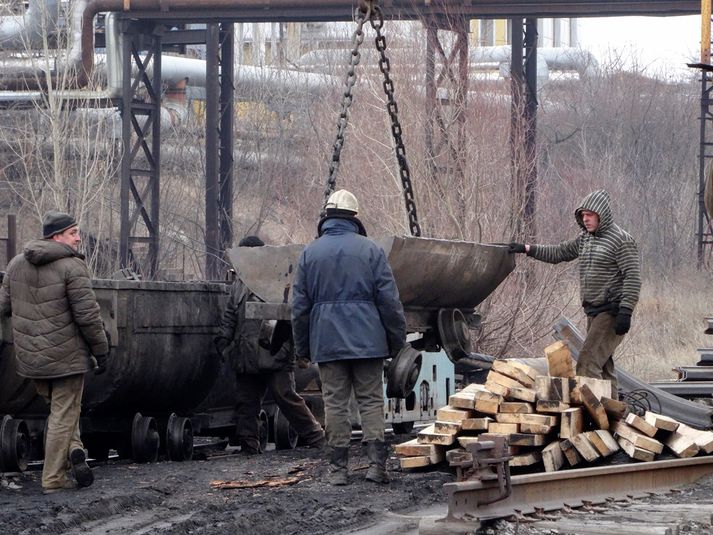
[(573, 488)]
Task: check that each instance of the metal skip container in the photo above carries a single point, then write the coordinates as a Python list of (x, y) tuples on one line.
[(162, 360), (430, 274)]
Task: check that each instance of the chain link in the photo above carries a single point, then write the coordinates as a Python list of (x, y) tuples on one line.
[(377, 22), (370, 10), (363, 13)]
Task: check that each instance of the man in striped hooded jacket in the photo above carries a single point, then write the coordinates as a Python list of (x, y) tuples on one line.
[(609, 278)]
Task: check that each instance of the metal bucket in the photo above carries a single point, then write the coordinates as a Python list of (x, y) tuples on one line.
[(429, 273)]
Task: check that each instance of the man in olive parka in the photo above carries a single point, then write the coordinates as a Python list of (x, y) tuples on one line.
[(58, 337), (609, 278)]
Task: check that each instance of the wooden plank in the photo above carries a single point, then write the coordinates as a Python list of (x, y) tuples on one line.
[(527, 369), (536, 429), (414, 462), (526, 459), (594, 407), (486, 407), (553, 457), (559, 360), (636, 438), (482, 392), (475, 424), (538, 419), (585, 448), (603, 441), (516, 407), (637, 422), (503, 429), (413, 448), (497, 389), (601, 388), (448, 428), (527, 439), (633, 451), (660, 421), (503, 380), (506, 368), (428, 435), (521, 394), (703, 439), (462, 400), (464, 441), (616, 410), (570, 452), (572, 422), (551, 406), (682, 446), (449, 414), (552, 388)]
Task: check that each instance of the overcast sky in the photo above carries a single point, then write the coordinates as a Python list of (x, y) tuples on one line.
[(661, 44)]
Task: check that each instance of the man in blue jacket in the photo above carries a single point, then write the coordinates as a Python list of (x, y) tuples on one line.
[(347, 317)]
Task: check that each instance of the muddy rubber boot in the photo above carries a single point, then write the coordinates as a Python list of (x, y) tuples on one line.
[(378, 452), (80, 469), (338, 466)]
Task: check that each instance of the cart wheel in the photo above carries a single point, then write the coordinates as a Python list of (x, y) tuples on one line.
[(285, 435), (179, 438), (145, 439), (14, 445)]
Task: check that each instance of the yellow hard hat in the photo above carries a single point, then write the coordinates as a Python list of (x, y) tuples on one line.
[(342, 200)]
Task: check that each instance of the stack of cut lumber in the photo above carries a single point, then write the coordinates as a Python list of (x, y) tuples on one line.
[(557, 419)]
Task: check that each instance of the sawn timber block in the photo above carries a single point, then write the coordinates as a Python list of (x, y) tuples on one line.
[(585, 448), (638, 423), (633, 451), (661, 422), (553, 457), (450, 414), (572, 422), (594, 407), (637, 439), (506, 368), (428, 435), (559, 360)]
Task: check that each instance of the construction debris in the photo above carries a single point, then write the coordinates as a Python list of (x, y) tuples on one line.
[(557, 420)]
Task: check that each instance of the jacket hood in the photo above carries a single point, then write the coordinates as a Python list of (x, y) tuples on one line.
[(41, 252), (338, 224), (599, 203)]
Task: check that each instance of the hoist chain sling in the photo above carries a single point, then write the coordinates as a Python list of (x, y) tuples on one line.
[(371, 11)]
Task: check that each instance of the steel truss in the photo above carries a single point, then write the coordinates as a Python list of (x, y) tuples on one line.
[(523, 127), (141, 157), (446, 100)]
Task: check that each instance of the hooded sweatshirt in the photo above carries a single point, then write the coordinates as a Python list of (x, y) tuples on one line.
[(609, 266), (56, 322)]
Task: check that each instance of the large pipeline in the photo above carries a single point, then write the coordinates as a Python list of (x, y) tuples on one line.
[(28, 31)]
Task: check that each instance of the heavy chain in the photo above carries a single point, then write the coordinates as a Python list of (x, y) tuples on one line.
[(377, 22), (362, 15), (371, 11)]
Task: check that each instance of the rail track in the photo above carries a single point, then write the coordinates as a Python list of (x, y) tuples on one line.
[(473, 502)]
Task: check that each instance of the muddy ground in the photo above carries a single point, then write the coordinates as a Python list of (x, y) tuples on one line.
[(177, 498)]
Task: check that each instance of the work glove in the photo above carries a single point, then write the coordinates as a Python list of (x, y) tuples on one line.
[(220, 344), (622, 323), (100, 366), (303, 363), (516, 248)]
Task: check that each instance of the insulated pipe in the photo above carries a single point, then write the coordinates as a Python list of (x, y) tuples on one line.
[(25, 32)]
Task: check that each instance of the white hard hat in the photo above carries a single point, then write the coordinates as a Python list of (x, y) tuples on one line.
[(342, 200)]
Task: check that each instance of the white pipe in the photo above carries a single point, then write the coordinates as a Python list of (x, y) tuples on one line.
[(25, 32)]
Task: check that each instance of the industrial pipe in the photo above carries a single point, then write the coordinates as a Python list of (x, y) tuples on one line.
[(25, 32)]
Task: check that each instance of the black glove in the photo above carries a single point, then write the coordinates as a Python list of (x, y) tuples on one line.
[(101, 363), (516, 248), (623, 321), (220, 344)]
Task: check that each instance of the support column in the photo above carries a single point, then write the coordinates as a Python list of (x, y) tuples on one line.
[(141, 158), (212, 153), (227, 112)]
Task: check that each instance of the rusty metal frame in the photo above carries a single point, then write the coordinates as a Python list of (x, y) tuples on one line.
[(704, 230), (140, 177), (468, 500), (523, 127), (446, 102)]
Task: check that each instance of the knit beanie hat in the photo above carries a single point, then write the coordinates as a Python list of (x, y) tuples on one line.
[(55, 222)]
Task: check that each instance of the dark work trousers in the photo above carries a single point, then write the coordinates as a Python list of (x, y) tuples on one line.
[(596, 358), (366, 378), (250, 393)]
